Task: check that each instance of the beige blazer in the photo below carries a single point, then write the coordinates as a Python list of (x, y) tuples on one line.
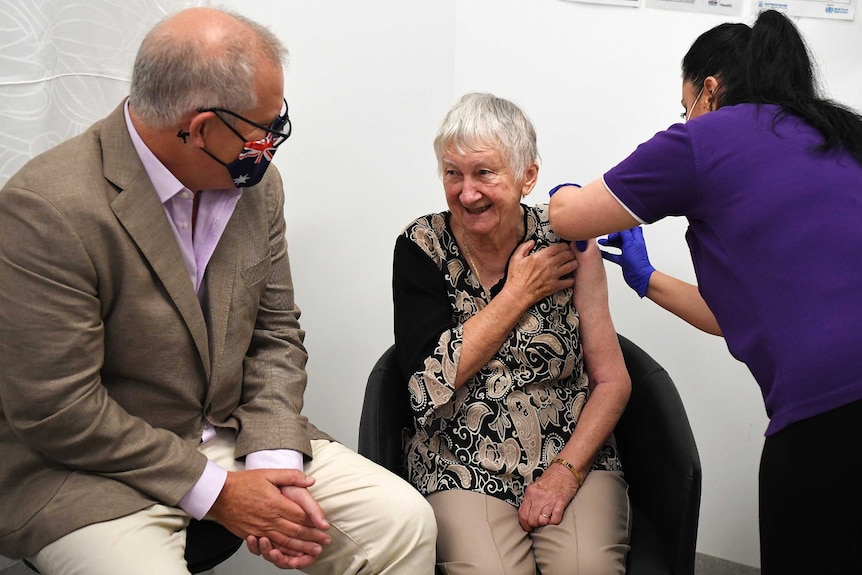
[(109, 366)]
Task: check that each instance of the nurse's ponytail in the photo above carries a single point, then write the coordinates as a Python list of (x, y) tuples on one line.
[(775, 68)]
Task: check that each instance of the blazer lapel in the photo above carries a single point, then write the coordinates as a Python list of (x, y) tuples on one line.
[(139, 210)]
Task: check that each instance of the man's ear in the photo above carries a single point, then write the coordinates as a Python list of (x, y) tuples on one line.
[(198, 125)]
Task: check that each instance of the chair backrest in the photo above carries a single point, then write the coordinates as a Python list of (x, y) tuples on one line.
[(660, 458), (655, 441), (385, 414)]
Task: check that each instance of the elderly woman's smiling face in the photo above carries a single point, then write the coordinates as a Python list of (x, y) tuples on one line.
[(481, 190)]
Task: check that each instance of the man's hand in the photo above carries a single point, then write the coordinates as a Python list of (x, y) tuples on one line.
[(283, 558), (276, 515)]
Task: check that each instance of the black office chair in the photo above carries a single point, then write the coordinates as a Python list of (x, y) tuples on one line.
[(207, 545), (655, 441), (662, 467)]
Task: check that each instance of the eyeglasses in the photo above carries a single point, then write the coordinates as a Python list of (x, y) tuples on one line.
[(277, 132)]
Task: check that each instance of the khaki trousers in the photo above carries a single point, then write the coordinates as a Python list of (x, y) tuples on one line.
[(480, 535), (379, 524)]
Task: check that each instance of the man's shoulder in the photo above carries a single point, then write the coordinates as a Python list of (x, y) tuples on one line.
[(62, 165), (268, 195)]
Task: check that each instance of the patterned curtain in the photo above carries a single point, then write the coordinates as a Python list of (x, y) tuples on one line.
[(65, 64)]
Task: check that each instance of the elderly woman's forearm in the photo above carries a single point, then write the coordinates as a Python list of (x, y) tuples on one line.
[(485, 333), (598, 420)]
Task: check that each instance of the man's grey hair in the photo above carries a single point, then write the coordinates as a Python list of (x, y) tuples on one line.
[(480, 121), (174, 74)]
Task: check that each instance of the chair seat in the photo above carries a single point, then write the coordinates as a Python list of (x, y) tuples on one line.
[(647, 555)]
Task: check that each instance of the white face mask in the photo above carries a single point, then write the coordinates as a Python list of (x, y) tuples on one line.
[(690, 110)]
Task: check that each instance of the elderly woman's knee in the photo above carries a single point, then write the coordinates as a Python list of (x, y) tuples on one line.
[(608, 560), (605, 560)]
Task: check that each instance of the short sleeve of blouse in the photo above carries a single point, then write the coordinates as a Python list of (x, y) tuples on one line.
[(659, 178)]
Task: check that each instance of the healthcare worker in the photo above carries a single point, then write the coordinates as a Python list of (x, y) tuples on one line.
[(769, 175)]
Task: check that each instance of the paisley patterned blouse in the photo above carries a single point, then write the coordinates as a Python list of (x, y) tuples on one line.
[(498, 432)]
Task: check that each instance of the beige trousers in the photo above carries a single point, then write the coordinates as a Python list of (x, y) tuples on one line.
[(480, 535), (379, 524)]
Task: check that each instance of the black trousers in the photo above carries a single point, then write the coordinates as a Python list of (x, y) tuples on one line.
[(811, 497)]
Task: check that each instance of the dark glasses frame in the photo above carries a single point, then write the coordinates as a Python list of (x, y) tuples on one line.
[(276, 132)]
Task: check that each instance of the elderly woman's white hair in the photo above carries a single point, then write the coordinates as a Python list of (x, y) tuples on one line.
[(480, 121)]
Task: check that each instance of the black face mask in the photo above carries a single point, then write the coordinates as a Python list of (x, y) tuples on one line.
[(251, 164)]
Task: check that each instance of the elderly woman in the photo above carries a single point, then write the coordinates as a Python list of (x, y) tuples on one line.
[(516, 378)]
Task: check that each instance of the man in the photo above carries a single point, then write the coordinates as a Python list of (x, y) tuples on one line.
[(152, 360)]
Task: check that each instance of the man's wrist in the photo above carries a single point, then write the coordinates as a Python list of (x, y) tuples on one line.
[(198, 501)]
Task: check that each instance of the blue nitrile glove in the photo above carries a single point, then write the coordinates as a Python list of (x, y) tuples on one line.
[(558, 186), (580, 244), (633, 260)]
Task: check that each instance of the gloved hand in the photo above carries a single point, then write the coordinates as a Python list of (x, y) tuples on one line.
[(633, 260)]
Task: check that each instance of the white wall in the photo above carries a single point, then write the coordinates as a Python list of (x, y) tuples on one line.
[(369, 82)]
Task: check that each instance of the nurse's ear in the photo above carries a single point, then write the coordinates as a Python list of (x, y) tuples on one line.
[(711, 86)]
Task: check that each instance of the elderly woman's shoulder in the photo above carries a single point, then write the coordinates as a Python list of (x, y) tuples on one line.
[(539, 223), (430, 233), (540, 211), (435, 224)]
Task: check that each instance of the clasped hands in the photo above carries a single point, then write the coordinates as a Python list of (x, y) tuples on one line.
[(275, 513)]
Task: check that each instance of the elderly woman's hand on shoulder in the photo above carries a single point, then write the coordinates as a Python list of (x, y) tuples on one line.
[(542, 272)]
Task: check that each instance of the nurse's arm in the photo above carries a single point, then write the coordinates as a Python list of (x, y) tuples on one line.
[(683, 300), (588, 212)]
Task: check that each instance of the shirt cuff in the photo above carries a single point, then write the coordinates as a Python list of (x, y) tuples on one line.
[(274, 459), (201, 497)]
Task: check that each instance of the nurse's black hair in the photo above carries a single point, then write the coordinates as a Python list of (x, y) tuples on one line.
[(769, 63), (717, 52)]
